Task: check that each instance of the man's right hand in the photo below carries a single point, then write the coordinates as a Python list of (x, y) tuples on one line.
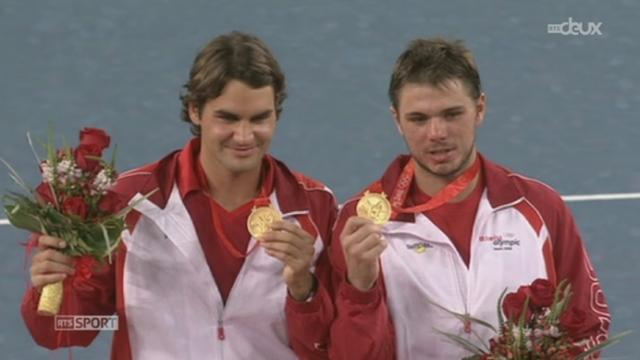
[(362, 244), (49, 265)]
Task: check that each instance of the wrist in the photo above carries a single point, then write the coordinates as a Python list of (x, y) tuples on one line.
[(363, 285), (304, 289)]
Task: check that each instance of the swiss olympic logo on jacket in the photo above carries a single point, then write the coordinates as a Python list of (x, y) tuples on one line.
[(506, 241)]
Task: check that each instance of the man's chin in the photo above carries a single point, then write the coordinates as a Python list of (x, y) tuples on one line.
[(243, 165), (448, 170)]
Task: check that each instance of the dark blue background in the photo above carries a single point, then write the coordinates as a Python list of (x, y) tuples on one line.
[(563, 109)]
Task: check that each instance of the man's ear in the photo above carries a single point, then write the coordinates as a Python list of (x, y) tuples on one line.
[(396, 119), (194, 113), (481, 108)]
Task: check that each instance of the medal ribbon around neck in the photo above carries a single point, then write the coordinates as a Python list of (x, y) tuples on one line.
[(261, 202), (449, 192)]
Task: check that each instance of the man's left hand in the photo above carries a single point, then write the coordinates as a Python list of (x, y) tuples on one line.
[(293, 246)]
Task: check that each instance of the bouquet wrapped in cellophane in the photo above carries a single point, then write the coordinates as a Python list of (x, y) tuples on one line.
[(73, 202)]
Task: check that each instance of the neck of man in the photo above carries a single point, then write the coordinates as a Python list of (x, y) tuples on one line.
[(431, 184), (231, 189)]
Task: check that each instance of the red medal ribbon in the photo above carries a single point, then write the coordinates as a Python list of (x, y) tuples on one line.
[(449, 192), (261, 200)]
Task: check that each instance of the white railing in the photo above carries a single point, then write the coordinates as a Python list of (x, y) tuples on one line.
[(567, 198)]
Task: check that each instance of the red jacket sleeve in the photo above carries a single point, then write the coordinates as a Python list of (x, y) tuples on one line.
[(572, 263), (95, 296), (363, 328), (309, 322)]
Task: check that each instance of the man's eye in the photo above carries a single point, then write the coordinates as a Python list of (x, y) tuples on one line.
[(227, 118), (260, 119), (417, 119), (453, 115)]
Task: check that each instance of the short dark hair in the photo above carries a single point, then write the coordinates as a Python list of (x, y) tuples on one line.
[(233, 56), (435, 61)]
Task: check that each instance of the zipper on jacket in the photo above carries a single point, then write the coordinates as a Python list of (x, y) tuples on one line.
[(478, 219), (463, 296), (220, 329), (467, 324)]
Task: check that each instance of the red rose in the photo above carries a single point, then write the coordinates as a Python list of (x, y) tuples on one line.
[(94, 137), (111, 203), (76, 206), (542, 293), (84, 156), (45, 193), (525, 289), (513, 306), (578, 324)]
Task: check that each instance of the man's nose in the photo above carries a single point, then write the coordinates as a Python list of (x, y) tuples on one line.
[(243, 131), (437, 128)]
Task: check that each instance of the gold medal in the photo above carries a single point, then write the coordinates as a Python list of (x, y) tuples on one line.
[(374, 206), (260, 220)]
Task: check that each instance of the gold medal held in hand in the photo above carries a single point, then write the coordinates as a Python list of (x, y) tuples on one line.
[(374, 206), (260, 220)]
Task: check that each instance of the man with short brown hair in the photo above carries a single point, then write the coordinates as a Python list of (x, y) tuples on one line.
[(455, 231), (226, 260)]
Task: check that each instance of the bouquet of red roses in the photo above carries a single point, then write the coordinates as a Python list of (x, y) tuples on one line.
[(538, 323), (73, 202)]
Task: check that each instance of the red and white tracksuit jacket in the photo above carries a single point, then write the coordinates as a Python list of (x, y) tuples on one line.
[(522, 231), (166, 300)]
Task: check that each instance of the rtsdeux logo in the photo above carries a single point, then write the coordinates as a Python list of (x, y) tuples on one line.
[(571, 27)]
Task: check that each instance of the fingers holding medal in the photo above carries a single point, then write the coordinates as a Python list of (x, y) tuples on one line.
[(362, 240), (290, 244)]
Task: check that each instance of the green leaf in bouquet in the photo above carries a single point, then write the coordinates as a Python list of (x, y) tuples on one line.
[(50, 145), (114, 232), (559, 302), (88, 237), (500, 316), (459, 316), (66, 146), (520, 346), (464, 343), (122, 213), (13, 174), (21, 220), (562, 301), (77, 246), (113, 156), (108, 242), (20, 215), (33, 150), (523, 315), (56, 217), (605, 344)]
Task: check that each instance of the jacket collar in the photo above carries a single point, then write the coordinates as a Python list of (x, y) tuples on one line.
[(501, 190), (290, 193)]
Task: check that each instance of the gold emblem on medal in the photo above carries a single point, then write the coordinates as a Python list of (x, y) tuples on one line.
[(260, 220), (374, 206)]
